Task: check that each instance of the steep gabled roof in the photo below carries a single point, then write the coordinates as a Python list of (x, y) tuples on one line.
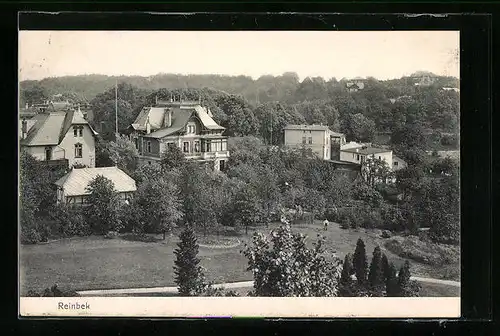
[(179, 120), (76, 181), (180, 117), (49, 129)]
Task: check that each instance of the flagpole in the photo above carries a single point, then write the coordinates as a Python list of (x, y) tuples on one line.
[(116, 109)]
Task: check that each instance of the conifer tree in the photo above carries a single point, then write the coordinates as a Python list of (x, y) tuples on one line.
[(391, 282), (188, 272), (385, 266), (376, 275), (360, 262), (345, 283), (406, 287)]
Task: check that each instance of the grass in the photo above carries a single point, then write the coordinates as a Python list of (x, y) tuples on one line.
[(87, 263)]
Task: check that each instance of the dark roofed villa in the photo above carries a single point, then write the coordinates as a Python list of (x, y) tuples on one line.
[(185, 124)]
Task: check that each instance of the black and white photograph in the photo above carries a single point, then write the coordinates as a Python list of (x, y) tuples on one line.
[(237, 165)]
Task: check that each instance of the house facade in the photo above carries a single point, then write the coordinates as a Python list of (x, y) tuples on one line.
[(398, 163), (185, 124), (57, 136), (359, 154), (71, 188), (314, 137)]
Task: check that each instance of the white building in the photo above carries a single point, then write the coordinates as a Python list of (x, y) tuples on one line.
[(315, 137), (360, 154), (52, 136)]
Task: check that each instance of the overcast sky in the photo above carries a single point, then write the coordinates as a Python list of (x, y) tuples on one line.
[(328, 54)]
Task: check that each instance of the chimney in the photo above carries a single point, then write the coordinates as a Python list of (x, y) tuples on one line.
[(167, 119), (148, 127), (24, 128)]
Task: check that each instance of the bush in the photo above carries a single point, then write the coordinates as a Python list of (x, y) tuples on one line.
[(111, 235), (449, 140), (53, 291), (412, 247), (69, 221)]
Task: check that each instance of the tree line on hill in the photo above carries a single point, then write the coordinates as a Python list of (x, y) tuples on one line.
[(381, 106)]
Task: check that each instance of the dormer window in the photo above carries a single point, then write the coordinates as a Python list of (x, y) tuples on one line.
[(77, 131)]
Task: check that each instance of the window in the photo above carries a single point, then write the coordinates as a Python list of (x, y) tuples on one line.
[(379, 158), (395, 163), (310, 140), (170, 145), (208, 146), (303, 140), (48, 153), (191, 129), (197, 146), (222, 165), (77, 131), (78, 150), (148, 146), (186, 147), (357, 157), (224, 145), (136, 143)]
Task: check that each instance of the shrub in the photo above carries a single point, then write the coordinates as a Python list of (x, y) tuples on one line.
[(70, 221), (412, 247), (53, 291), (449, 140), (285, 266)]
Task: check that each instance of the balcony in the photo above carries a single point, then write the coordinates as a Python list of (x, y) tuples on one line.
[(208, 155), (53, 164)]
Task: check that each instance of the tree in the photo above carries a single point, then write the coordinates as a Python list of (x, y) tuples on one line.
[(160, 203), (35, 94), (246, 207), (284, 266), (376, 171), (346, 286), (360, 262), (188, 272), (391, 282), (172, 158), (376, 275), (147, 172), (406, 287), (360, 128), (124, 154), (103, 210)]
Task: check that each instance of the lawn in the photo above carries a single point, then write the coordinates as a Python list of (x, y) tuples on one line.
[(96, 263)]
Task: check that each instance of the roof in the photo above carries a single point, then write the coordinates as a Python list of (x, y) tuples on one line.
[(365, 150), (307, 127), (180, 117), (76, 181), (49, 129), (29, 123), (336, 134)]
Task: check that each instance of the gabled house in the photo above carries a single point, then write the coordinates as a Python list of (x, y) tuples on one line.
[(72, 187), (59, 136), (185, 124)]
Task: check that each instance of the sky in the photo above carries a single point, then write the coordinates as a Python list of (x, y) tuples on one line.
[(346, 54)]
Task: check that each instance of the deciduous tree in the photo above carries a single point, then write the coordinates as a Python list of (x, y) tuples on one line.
[(103, 210)]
